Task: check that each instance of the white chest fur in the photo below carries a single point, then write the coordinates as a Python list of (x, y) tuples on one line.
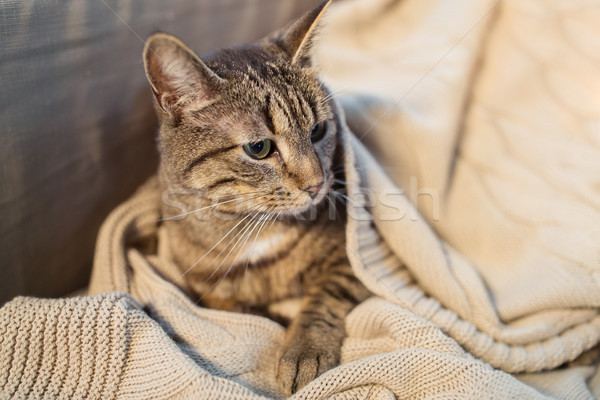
[(263, 247)]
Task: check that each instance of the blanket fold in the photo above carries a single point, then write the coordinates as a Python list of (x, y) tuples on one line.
[(542, 343)]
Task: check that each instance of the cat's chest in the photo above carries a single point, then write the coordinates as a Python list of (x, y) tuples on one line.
[(263, 248), (257, 268), (270, 268)]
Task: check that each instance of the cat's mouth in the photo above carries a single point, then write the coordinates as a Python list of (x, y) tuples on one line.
[(308, 200)]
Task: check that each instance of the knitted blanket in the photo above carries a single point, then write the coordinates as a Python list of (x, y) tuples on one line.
[(477, 229)]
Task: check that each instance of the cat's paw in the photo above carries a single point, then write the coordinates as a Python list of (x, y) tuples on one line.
[(302, 361)]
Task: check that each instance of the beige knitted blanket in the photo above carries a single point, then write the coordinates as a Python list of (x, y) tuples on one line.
[(488, 121)]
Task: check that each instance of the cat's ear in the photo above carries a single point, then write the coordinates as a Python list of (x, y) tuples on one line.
[(298, 39), (177, 76)]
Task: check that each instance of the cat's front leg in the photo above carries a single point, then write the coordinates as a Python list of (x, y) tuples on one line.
[(314, 338)]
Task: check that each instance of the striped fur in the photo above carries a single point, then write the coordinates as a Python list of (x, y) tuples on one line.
[(256, 234)]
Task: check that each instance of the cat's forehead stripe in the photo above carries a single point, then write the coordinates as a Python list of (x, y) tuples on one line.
[(280, 106), (271, 100), (284, 99), (267, 111)]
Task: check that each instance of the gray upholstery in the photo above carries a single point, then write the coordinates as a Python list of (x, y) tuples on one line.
[(76, 119)]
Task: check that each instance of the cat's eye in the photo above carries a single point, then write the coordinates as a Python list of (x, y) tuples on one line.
[(318, 131), (260, 149)]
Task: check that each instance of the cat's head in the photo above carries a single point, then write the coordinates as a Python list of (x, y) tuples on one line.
[(252, 121)]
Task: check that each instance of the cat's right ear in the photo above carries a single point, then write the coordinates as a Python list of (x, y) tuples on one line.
[(177, 76)]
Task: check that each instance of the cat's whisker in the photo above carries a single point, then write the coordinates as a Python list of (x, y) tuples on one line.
[(212, 248), (329, 98), (254, 224), (329, 199), (268, 225), (342, 167), (248, 236), (331, 203), (336, 209), (242, 231), (243, 197), (244, 194), (340, 181), (265, 221), (343, 196), (342, 199), (240, 249), (332, 95), (275, 219), (343, 170), (240, 235), (219, 242)]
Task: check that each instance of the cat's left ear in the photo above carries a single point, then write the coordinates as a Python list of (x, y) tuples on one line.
[(298, 39)]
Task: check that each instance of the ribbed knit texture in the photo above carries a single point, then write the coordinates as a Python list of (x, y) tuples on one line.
[(497, 297), (68, 348)]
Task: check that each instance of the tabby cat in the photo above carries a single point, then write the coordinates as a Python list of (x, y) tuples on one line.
[(251, 132)]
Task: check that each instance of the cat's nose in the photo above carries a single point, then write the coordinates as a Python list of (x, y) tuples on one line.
[(314, 190)]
